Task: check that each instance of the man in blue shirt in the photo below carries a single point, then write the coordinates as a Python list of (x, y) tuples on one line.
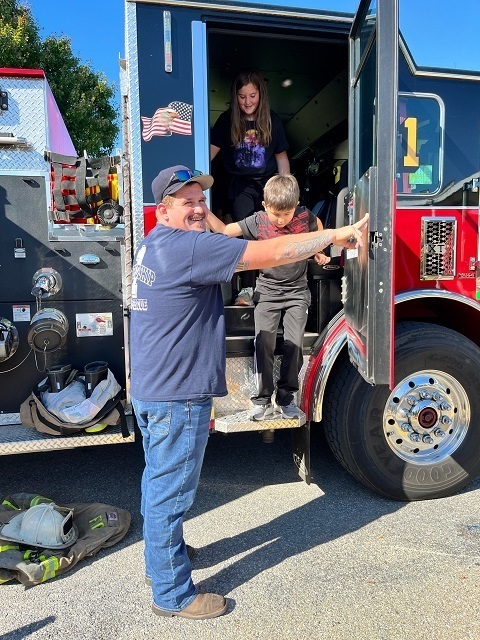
[(177, 351)]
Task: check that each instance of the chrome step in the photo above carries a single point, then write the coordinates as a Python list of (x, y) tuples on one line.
[(240, 421)]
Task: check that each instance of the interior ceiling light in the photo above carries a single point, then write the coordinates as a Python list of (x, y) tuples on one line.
[(287, 82)]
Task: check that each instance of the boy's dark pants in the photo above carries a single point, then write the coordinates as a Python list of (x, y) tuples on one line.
[(292, 310)]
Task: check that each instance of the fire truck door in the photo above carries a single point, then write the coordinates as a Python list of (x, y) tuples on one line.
[(368, 285), (200, 97), (169, 101)]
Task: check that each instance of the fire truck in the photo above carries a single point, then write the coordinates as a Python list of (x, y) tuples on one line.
[(391, 351), (61, 308)]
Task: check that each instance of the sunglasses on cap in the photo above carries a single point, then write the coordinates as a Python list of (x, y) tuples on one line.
[(182, 175)]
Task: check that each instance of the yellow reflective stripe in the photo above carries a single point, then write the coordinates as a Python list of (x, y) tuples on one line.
[(50, 567), (9, 547), (96, 428), (96, 523), (7, 503), (38, 499)]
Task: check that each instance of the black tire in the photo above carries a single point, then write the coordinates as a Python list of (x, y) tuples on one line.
[(437, 391)]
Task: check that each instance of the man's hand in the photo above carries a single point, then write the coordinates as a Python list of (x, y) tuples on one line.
[(352, 236)]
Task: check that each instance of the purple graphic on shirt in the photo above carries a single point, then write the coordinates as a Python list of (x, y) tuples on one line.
[(249, 153)]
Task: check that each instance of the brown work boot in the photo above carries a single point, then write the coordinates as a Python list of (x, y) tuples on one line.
[(191, 551), (205, 605)]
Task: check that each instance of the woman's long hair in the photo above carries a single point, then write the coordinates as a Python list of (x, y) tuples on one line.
[(262, 115)]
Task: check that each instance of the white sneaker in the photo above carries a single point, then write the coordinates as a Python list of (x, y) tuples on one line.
[(261, 412), (245, 297), (289, 411)]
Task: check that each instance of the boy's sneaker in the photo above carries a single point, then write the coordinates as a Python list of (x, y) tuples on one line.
[(289, 411), (261, 412), (245, 297)]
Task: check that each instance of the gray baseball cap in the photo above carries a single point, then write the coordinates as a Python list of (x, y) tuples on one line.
[(172, 179)]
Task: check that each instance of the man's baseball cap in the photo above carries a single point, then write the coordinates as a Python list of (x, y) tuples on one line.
[(170, 180)]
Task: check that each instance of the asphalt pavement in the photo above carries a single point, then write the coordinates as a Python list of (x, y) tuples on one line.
[(329, 561)]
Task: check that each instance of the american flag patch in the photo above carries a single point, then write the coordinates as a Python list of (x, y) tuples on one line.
[(175, 118)]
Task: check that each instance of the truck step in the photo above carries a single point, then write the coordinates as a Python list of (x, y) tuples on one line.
[(16, 438), (240, 421)]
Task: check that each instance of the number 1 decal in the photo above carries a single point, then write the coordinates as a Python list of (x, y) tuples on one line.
[(411, 159)]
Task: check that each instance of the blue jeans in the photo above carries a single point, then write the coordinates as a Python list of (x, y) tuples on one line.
[(174, 439)]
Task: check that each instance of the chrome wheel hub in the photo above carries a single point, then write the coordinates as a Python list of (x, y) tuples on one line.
[(426, 417)]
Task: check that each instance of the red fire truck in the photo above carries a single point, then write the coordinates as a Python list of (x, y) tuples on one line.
[(392, 359), (391, 353)]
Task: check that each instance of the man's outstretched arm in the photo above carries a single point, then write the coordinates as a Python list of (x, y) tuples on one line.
[(292, 248)]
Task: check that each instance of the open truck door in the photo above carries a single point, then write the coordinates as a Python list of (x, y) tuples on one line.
[(369, 291), (168, 101)]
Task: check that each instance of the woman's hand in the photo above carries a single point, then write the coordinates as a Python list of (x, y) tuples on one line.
[(321, 258), (283, 163)]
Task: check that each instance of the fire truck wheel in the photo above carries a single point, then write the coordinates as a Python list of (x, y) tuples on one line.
[(422, 439)]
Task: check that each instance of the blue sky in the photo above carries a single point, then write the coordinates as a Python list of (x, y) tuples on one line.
[(436, 35)]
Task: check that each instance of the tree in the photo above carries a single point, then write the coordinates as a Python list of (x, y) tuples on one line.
[(84, 96), (20, 42)]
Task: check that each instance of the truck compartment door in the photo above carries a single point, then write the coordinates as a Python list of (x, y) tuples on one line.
[(168, 96), (368, 285)]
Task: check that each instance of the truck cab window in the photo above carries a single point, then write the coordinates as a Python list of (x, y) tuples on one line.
[(420, 144), (365, 94)]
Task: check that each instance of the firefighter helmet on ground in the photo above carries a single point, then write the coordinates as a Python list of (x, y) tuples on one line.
[(44, 525)]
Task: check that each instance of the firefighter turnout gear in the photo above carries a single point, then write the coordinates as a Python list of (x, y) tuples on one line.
[(97, 526)]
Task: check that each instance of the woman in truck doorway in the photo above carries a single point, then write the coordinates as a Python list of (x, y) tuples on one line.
[(254, 147)]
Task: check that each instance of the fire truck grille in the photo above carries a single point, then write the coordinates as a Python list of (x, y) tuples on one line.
[(437, 258)]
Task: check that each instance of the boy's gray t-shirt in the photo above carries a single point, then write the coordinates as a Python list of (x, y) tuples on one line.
[(288, 278)]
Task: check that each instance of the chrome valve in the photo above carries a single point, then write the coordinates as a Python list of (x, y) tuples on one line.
[(46, 282)]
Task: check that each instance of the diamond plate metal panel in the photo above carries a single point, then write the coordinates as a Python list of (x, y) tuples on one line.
[(29, 123), (134, 126), (241, 385), (20, 439), (437, 260), (10, 418), (241, 422)]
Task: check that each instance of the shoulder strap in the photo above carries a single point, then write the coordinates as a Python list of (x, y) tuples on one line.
[(115, 403), (123, 420), (52, 425)]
